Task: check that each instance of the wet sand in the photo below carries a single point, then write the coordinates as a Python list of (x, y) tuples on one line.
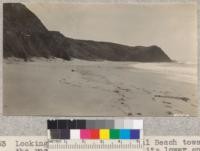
[(92, 88)]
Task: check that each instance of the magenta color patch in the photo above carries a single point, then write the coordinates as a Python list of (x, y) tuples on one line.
[(85, 134)]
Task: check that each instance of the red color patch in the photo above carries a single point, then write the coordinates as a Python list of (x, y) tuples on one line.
[(94, 134)]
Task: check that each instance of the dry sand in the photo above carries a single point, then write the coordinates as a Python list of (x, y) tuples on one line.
[(93, 88)]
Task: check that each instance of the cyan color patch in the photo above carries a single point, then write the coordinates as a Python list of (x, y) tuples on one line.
[(125, 134)]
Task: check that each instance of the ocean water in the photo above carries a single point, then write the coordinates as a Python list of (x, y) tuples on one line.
[(179, 71)]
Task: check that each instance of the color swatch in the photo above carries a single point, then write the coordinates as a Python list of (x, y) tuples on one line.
[(95, 129), (114, 134), (104, 134)]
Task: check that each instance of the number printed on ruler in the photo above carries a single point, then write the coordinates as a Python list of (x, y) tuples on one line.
[(64, 145)]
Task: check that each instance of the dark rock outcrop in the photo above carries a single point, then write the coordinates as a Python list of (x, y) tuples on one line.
[(24, 36)]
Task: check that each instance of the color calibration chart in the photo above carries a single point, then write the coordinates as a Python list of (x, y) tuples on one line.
[(81, 134)]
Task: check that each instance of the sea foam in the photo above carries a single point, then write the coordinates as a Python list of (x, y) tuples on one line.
[(179, 71)]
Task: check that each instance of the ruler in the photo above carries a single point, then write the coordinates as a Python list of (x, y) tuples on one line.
[(103, 145)]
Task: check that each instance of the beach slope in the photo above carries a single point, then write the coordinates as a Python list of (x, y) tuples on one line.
[(93, 88)]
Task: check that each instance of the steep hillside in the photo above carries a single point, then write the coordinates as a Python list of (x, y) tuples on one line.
[(24, 36)]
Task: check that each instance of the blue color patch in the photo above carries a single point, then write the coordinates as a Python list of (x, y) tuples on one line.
[(125, 134), (135, 134)]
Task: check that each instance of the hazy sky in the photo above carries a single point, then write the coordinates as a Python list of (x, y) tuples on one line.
[(173, 27)]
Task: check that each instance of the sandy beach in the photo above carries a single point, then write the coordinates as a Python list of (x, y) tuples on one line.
[(93, 88)]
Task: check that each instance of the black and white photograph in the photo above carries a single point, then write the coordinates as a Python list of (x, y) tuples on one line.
[(62, 59)]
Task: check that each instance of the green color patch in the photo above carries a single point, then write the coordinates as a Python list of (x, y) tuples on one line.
[(114, 134)]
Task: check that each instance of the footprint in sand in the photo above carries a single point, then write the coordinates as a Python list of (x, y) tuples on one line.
[(193, 105), (146, 91), (116, 91), (61, 80), (165, 102), (138, 113), (123, 95), (64, 81), (168, 106), (120, 94), (169, 113), (130, 114), (122, 100), (153, 98), (123, 89)]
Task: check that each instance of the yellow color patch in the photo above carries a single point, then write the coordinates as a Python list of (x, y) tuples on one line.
[(104, 134)]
